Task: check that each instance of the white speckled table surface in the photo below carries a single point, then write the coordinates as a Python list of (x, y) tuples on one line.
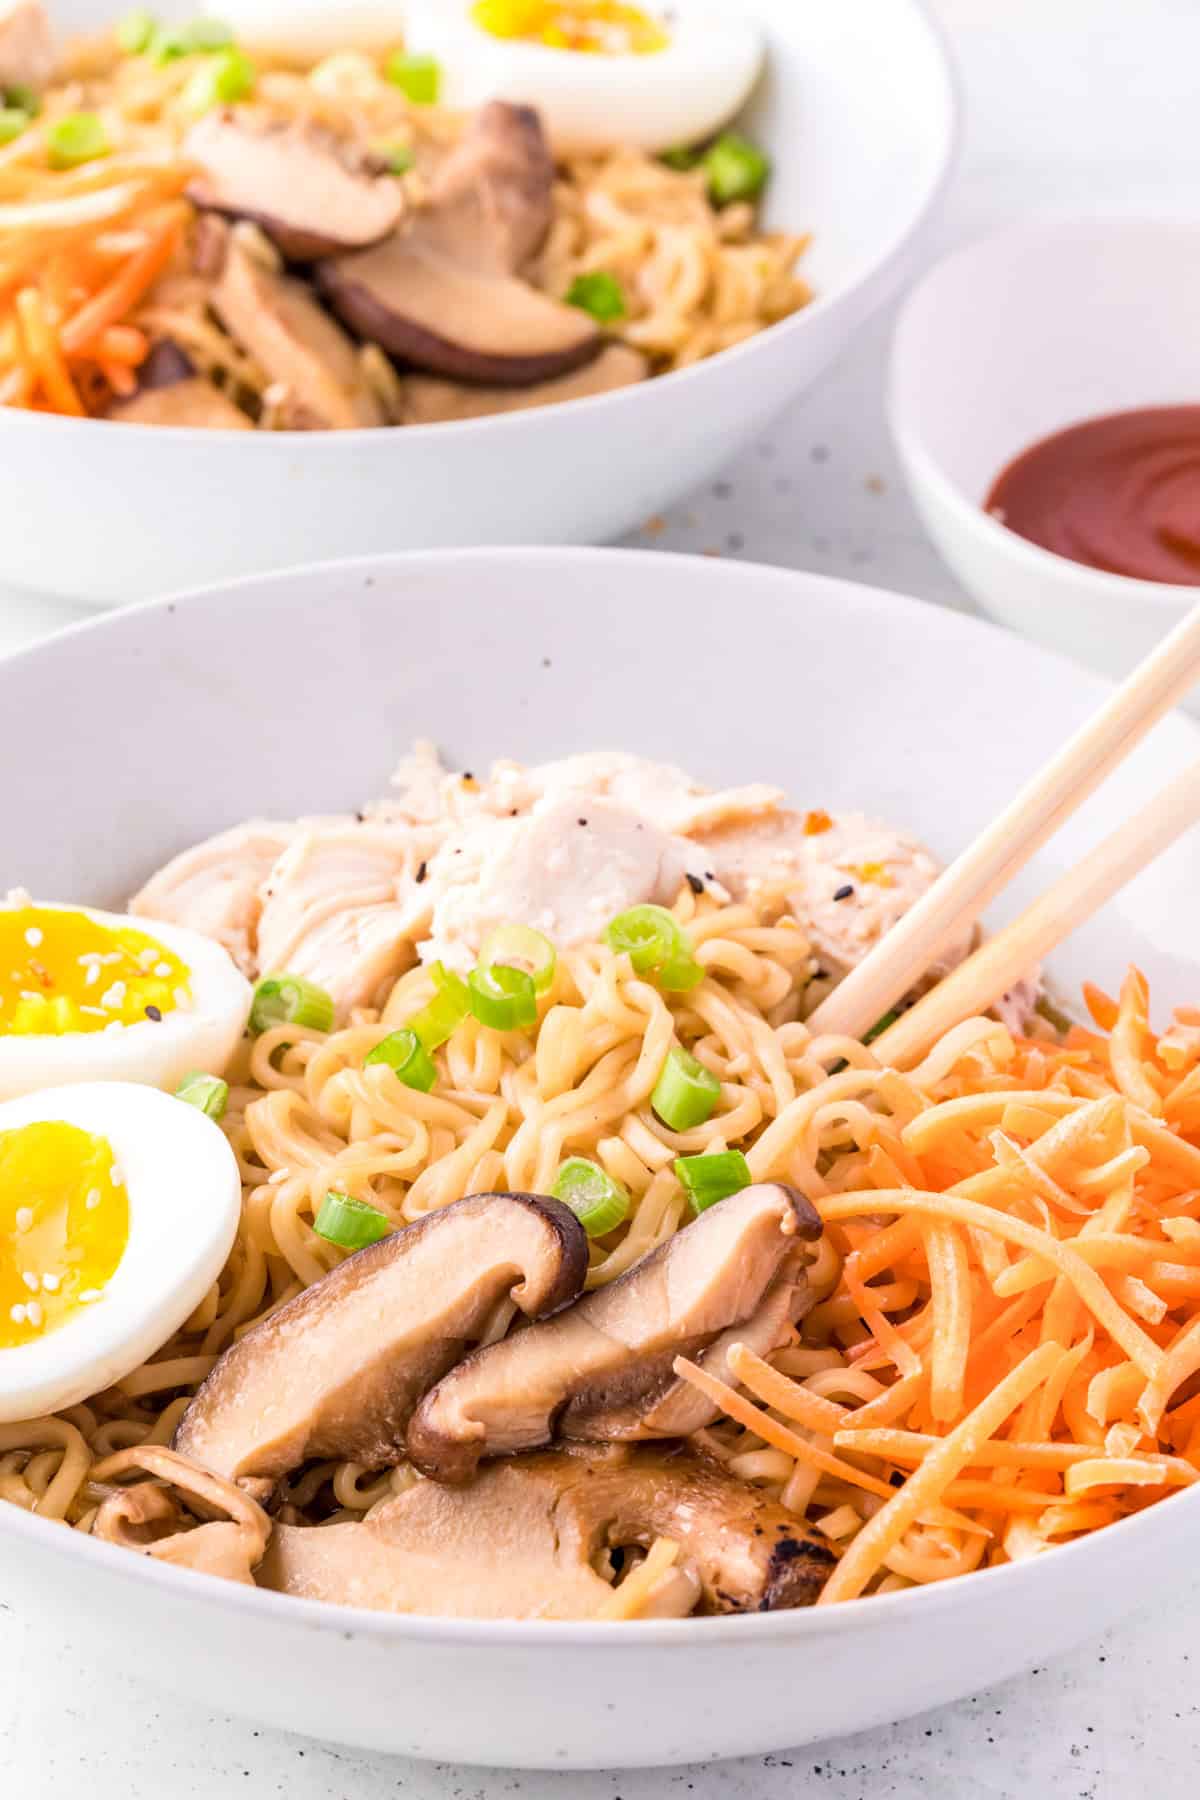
[(1074, 106)]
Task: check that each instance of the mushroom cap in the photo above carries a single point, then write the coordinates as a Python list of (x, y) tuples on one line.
[(521, 1542), (312, 193), (600, 1369), (337, 1371)]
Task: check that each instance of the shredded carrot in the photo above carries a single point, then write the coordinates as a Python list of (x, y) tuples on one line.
[(120, 295), (45, 353)]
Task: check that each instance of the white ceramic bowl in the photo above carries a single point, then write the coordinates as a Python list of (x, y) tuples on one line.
[(1012, 339), (294, 693), (859, 113)]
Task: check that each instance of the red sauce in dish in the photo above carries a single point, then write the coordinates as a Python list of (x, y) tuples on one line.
[(1120, 493)]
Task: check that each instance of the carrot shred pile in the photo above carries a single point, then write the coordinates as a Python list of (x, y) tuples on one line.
[(79, 251), (1004, 1350)]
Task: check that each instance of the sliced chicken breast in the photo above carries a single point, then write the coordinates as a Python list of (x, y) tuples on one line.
[(215, 887)]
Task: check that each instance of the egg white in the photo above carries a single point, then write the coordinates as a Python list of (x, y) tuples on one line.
[(156, 1052), (304, 31), (184, 1192), (680, 95)]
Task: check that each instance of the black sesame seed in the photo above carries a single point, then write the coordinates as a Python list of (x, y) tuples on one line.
[(467, 775), (152, 1012), (695, 883), (581, 821), (844, 893), (422, 871)]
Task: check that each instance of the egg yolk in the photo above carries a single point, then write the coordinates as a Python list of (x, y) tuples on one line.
[(64, 1225), (64, 972), (598, 27)]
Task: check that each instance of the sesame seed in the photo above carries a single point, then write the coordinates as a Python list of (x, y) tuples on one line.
[(695, 883), (24, 1218), (34, 936), (88, 1295), (116, 1176), (50, 1283), (89, 959), (153, 1012), (31, 1281), (581, 821), (422, 872), (17, 1314), (844, 893), (114, 1025), (162, 970), (92, 976), (113, 996), (146, 957), (93, 1199), (34, 1313)]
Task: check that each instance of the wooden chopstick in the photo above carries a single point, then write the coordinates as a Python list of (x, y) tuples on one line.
[(1000, 961), (1044, 804)]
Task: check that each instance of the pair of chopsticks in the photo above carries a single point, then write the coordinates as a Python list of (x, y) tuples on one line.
[(971, 883)]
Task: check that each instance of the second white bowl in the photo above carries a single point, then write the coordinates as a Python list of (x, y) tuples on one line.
[(1010, 340)]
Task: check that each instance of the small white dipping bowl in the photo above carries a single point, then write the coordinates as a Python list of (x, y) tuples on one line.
[(858, 112), (1009, 341)]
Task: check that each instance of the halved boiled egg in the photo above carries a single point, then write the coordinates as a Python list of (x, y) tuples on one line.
[(601, 73), (95, 996), (118, 1208)]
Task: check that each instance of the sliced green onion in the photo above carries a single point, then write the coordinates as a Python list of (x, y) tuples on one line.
[(208, 1092), (76, 138), (656, 945), (419, 78), (649, 935), (713, 1177), (520, 947), (598, 1202), (685, 1093), (444, 1014), (397, 159), (289, 1000), (502, 997), (599, 294), (222, 81), (407, 1057), (199, 37), (13, 121), (351, 1224), (880, 1026), (737, 169), (24, 98), (135, 31), (683, 157)]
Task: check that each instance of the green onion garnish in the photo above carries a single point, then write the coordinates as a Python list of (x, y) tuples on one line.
[(199, 37), (25, 99), (135, 31), (76, 138), (713, 1177), (502, 997), (289, 1000), (444, 1014), (419, 78), (656, 945), (685, 1093), (13, 121), (598, 1202), (407, 1057), (599, 294), (737, 169), (351, 1224), (683, 157), (880, 1026), (397, 159), (222, 81), (520, 947), (208, 1092)]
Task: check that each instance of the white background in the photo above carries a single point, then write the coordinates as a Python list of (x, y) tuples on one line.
[(1074, 106)]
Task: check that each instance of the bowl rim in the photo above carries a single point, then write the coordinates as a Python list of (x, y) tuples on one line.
[(1127, 1536), (923, 467), (875, 270)]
